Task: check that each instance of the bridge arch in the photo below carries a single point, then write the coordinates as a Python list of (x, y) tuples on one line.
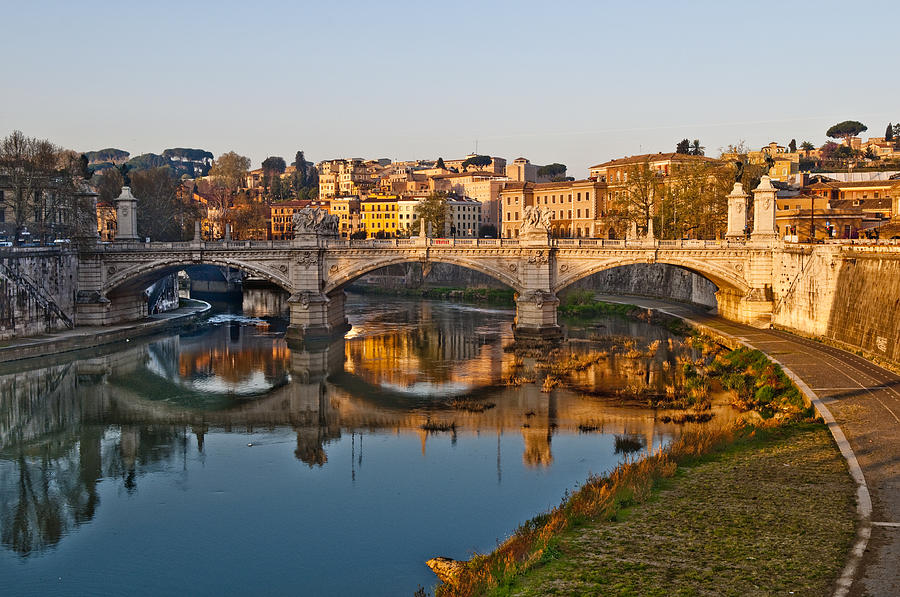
[(347, 275), (723, 278), (137, 277)]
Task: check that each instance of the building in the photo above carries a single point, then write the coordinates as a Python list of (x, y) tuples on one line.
[(408, 216), (378, 216), (837, 209), (578, 207), (463, 217), (281, 217), (106, 221), (345, 177), (497, 165), (347, 211), (481, 186)]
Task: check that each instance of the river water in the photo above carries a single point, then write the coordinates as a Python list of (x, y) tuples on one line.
[(219, 461)]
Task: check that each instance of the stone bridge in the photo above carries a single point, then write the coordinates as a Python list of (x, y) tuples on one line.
[(315, 270), (760, 280)]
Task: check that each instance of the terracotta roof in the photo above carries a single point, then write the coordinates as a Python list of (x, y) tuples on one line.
[(471, 173), (563, 183), (864, 184), (653, 157)]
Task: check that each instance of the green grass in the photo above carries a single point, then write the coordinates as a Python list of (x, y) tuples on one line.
[(770, 513), (496, 296)]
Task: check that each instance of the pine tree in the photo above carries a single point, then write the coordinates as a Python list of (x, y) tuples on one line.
[(792, 146), (684, 146), (889, 133)]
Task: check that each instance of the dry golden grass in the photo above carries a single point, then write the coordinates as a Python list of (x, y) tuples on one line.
[(599, 498)]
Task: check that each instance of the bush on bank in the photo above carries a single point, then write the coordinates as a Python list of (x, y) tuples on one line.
[(498, 296)]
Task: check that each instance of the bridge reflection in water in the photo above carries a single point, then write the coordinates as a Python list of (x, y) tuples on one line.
[(66, 426)]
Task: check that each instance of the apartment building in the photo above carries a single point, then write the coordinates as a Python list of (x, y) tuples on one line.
[(281, 216), (346, 208), (378, 215), (577, 207)]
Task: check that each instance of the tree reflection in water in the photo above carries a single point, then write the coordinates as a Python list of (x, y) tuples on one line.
[(65, 428)]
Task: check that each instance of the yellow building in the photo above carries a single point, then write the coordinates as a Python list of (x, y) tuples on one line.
[(347, 211), (378, 215)]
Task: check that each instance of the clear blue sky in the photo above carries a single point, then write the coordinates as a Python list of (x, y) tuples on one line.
[(573, 82)]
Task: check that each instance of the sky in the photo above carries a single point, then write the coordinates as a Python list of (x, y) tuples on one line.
[(572, 82)]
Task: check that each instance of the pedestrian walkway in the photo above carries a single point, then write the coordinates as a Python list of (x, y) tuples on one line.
[(865, 402), (91, 336)]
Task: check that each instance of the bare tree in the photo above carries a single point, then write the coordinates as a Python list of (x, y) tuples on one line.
[(161, 214), (227, 177), (41, 179)]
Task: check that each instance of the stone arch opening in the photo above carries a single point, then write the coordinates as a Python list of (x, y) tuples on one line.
[(656, 280), (728, 288), (341, 277), (138, 278)]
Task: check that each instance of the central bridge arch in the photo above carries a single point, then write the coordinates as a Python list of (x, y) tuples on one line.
[(342, 272)]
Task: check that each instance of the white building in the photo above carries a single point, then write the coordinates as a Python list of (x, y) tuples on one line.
[(464, 217)]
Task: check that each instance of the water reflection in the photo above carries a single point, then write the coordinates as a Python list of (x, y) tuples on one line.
[(426, 371)]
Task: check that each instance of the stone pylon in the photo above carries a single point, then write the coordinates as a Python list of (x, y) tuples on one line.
[(764, 229), (737, 213), (126, 216)]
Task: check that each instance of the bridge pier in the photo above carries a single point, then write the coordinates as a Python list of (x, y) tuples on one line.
[(316, 316), (536, 316), (94, 309)]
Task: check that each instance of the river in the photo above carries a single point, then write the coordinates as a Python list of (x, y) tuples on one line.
[(219, 461)]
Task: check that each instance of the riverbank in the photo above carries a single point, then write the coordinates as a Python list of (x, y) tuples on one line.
[(755, 505), (772, 512), (89, 337)]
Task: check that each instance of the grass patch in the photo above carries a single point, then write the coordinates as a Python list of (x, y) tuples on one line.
[(721, 512), (770, 513), (494, 296)]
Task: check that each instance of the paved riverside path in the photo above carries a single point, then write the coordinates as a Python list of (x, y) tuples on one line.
[(865, 401)]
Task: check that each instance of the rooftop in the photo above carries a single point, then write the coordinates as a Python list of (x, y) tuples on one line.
[(653, 157)]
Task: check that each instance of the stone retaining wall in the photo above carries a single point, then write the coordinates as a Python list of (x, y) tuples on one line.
[(847, 294), (54, 271)]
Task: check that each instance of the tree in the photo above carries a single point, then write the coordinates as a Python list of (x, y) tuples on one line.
[(828, 150), (161, 214), (889, 133), (792, 146), (109, 184), (300, 168), (552, 171), (479, 161), (642, 189), (684, 146), (274, 165), (433, 209), (807, 147), (845, 130), (40, 182), (226, 178), (696, 148), (440, 164)]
